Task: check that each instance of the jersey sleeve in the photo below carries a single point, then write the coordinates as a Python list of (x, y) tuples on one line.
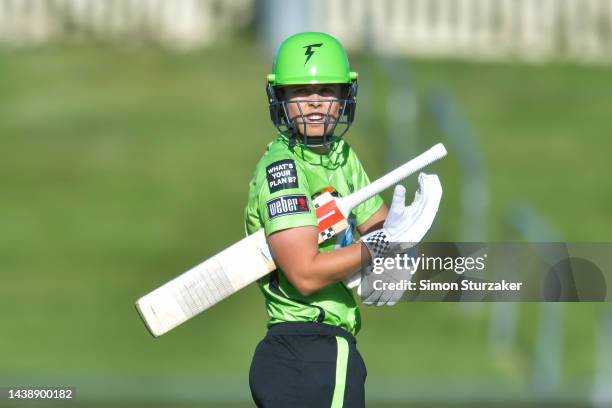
[(360, 179), (284, 201)]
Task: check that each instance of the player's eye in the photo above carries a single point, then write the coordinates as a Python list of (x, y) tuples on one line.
[(300, 91)]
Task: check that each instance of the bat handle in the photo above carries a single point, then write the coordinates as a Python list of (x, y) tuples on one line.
[(346, 204)]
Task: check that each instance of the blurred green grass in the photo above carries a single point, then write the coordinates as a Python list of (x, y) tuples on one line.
[(122, 168)]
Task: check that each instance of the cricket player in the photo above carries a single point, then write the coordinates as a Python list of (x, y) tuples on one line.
[(309, 356)]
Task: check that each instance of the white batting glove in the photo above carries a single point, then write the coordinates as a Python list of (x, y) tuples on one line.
[(405, 226)]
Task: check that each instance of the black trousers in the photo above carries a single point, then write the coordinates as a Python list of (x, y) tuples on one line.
[(307, 365)]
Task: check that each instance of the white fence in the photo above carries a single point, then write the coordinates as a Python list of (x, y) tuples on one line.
[(489, 29), (174, 23)]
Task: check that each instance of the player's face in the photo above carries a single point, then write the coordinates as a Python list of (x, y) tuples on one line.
[(313, 108)]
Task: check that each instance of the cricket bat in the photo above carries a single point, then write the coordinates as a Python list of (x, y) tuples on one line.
[(249, 259)]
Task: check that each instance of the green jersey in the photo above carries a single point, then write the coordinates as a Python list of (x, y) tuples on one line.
[(280, 197)]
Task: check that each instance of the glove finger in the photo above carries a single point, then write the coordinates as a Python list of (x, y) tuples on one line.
[(372, 298), (392, 296), (385, 297), (397, 204), (431, 187), (422, 194), (413, 211), (432, 193), (366, 286), (364, 290), (424, 209)]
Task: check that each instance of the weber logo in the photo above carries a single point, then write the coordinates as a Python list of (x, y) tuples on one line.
[(282, 175), (288, 204)]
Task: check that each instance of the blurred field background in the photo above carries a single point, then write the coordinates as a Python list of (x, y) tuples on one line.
[(123, 165)]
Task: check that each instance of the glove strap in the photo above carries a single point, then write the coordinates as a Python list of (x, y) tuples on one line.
[(377, 243)]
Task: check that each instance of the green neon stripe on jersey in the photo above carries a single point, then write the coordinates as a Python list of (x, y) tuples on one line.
[(341, 365)]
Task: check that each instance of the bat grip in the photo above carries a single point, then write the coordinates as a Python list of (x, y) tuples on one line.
[(346, 204)]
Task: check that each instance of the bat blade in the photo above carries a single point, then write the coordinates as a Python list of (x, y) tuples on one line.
[(206, 284)]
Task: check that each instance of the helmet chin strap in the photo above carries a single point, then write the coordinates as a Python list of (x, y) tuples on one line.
[(292, 140)]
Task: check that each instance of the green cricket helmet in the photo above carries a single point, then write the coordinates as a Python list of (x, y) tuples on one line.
[(307, 59)]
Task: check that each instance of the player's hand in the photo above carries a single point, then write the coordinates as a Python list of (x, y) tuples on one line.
[(406, 226), (386, 288)]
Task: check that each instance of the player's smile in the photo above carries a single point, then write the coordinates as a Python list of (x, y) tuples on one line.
[(315, 117), (319, 118)]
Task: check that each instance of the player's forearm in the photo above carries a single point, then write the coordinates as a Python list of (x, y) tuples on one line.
[(296, 252), (330, 267)]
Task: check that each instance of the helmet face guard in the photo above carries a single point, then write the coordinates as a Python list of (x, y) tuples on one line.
[(312, 58), (333, 127)]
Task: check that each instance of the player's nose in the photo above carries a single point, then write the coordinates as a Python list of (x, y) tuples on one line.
[(314, 101)]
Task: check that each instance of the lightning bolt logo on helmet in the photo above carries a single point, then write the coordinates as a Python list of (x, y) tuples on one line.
[(309, 51)]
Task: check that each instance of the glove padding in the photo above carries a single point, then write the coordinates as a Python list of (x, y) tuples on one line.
[(404, 226)]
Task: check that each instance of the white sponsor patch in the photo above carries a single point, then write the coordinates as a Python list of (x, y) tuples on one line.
[(281, 175)]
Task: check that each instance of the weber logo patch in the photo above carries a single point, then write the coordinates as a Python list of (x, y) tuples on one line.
[(282, 175), (288, 204)]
